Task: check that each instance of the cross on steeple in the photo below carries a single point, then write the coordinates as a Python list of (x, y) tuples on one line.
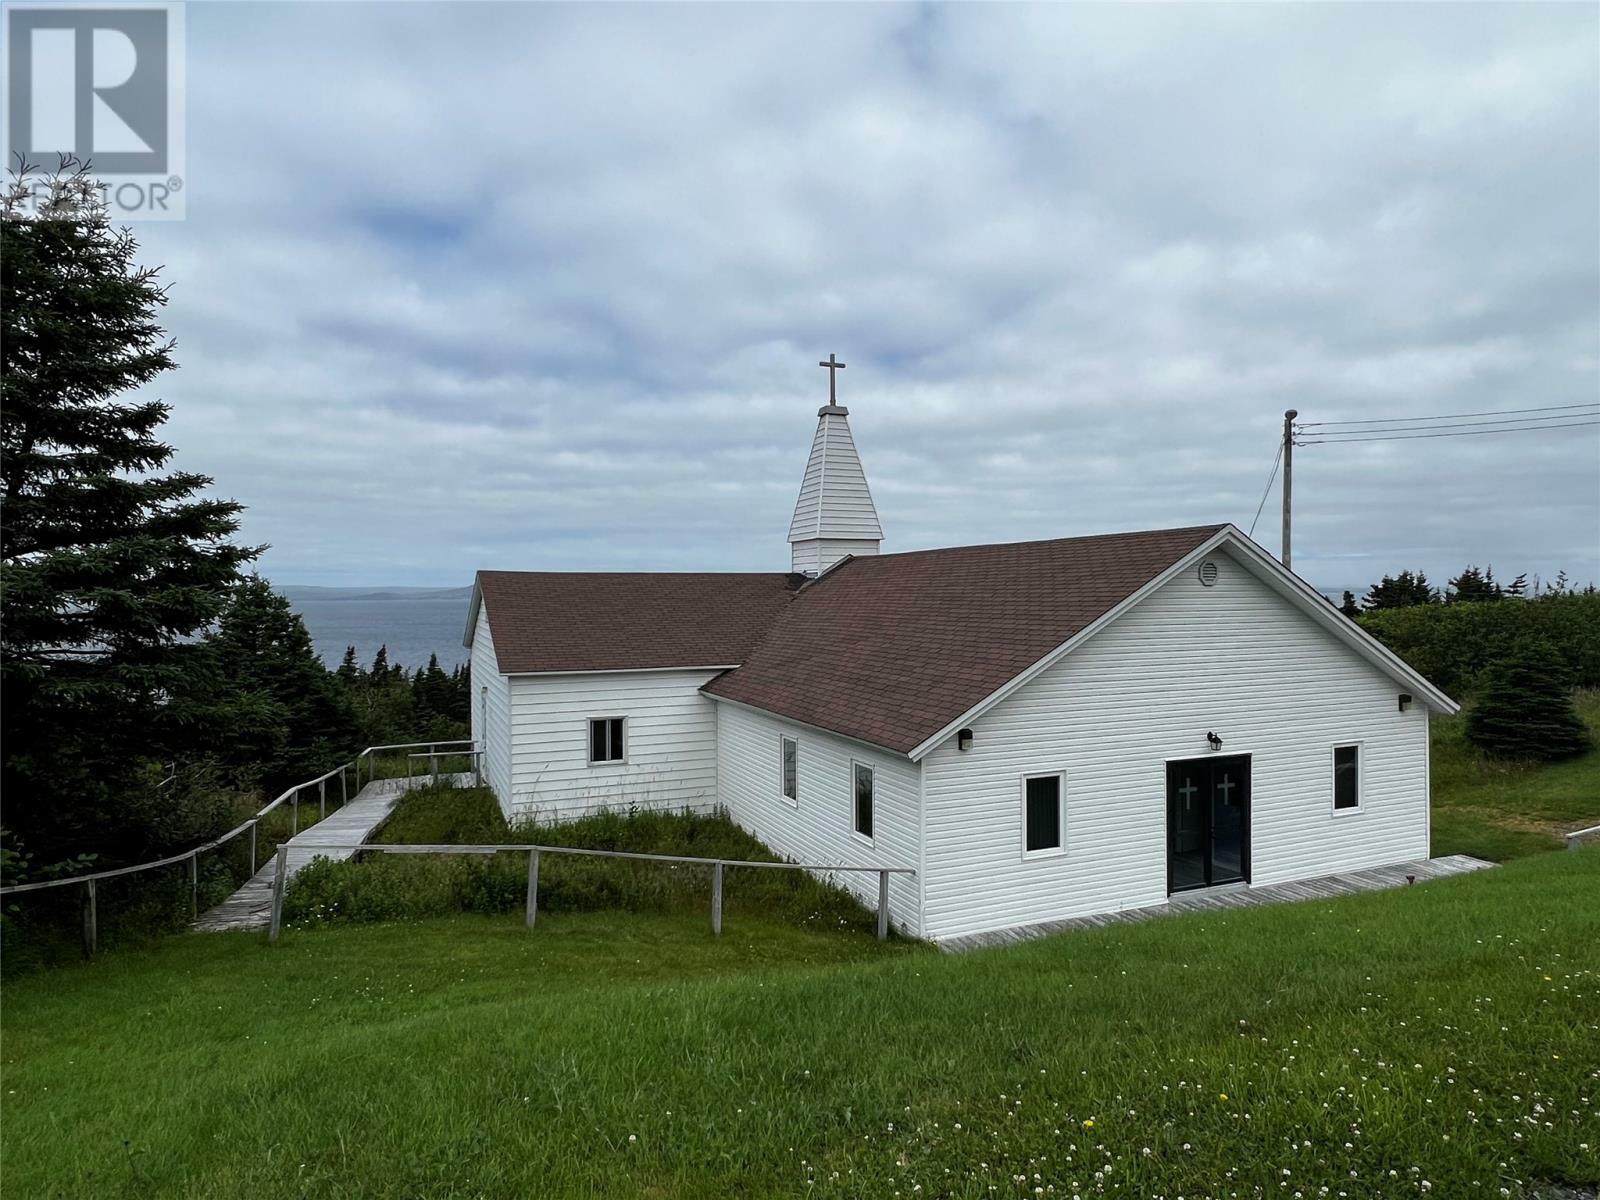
[(834, 367)]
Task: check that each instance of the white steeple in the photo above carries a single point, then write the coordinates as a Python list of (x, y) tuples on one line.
[(834, 515)]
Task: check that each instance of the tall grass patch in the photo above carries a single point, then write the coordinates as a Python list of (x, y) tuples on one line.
[(392, 887)]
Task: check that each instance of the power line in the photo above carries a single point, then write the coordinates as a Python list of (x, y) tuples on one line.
[(1386, 427), (1403, 437), (1503, 412), (1267, 491)]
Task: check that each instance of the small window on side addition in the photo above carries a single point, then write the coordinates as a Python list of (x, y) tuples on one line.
[(791, 769), (1041, 816), (863, 800), (1346, 777), (606, 739)]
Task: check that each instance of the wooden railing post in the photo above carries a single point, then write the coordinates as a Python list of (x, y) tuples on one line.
[(322, 797), (344, 786), (90, 932), (253, 825), (294, 803), (883, 905), (194, 883), (533, 886), (276, 923), (477, 768), (716, 899)]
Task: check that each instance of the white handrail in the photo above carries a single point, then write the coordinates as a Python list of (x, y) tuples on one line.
[(1577, 835), (192, 855)]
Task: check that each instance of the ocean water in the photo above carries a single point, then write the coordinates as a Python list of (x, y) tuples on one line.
[(412, 626)]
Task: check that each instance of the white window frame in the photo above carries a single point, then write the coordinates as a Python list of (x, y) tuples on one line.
[(872, 838), (1361, 778), (588, 740), (1055, 851), (794, 800)]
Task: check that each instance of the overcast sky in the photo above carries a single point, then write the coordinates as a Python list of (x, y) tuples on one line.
[(545, 288)]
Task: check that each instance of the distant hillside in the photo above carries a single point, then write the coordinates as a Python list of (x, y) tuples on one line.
[(312, 592)]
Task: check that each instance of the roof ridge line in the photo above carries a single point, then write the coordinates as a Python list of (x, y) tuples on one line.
[(1212, 527)]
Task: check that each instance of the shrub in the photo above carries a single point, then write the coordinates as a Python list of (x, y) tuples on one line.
[(1455, 644), (1526, 708)]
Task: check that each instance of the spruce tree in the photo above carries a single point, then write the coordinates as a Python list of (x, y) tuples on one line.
[(110, 564), (1348, 605), (1525, 709), (288, 718), (349, 671), (1472, 586), (1400, 591), (430, 691)]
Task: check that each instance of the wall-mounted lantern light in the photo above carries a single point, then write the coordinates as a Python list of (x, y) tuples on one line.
[(1405, 701), (964, 740), (1215, 740)]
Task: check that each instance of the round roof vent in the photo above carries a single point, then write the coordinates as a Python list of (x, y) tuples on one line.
[(1208, 574)]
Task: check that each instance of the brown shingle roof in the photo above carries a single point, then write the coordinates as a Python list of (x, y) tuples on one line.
[(891, 649), (605, 621)]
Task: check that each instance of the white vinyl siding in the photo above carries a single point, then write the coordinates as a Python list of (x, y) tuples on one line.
[(816, 555), (491, 722), (1236, 658), (820, 829), (670, 743)]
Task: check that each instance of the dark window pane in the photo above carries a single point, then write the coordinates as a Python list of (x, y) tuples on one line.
[(1044, 813), (617, 753), (597, 741), (790, 753), (1346, 778), (864, 801)]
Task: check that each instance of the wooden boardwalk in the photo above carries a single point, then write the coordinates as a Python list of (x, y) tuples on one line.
[(1325, 887), (251, 906)]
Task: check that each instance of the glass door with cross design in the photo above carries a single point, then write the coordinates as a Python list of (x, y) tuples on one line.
[(1208, 822)]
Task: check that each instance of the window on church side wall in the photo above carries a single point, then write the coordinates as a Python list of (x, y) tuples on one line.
[(863, 800), (790, 768), (1041, 814), (606, 741), (1346, 777)]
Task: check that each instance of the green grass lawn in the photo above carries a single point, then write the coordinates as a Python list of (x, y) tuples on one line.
[(1440, 1040), (1499, 811)]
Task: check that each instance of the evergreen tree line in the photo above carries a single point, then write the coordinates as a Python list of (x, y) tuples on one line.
[(1471, 586), (146, 679)]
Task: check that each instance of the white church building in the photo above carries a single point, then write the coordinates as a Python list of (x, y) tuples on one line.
[(1041, 730)]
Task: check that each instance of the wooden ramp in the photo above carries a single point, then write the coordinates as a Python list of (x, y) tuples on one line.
[(1325, 887), (332, 837)]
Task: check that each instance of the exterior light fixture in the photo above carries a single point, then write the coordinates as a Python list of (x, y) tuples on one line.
[(964, 740), (1405, 701), (1215, 740)]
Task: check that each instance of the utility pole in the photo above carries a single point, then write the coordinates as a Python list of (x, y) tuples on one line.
[(1288, 480)]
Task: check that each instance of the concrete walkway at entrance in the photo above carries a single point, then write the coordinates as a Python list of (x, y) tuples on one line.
[(332, 837), (1325, 887)]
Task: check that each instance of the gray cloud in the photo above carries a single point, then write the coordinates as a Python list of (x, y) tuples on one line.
[(542, 287)]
